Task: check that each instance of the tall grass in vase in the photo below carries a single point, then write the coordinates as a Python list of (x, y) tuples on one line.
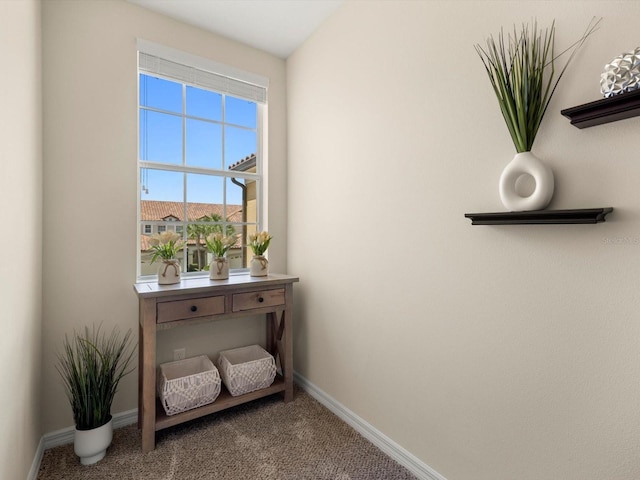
[(522, 71)]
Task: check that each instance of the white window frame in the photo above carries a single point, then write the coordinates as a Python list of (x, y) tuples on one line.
[(240, 84)]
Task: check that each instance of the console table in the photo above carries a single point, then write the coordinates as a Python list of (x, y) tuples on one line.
[(200, 300)]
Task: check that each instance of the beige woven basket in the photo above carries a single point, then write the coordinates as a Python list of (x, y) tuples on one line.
[(186, 384), (246, 369)]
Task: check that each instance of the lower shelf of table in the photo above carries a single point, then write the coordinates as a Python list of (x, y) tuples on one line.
[(225, 400)]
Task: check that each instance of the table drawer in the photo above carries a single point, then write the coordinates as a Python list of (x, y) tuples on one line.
[(193, 308), (264, 298)]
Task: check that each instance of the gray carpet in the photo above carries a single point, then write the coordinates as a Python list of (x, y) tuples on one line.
[(262, 440)]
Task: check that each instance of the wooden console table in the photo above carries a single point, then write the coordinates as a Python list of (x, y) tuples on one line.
[(202, 300)]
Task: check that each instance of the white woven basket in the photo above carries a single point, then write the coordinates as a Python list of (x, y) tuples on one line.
[(187, 384), (246, 369)]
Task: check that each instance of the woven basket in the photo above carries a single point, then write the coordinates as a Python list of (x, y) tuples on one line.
[(187, 384), (246, 369)]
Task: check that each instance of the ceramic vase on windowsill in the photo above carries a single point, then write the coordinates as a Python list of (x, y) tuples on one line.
[(169, 271), (259, 266), (165, 247), (219, 268), (218, 245)]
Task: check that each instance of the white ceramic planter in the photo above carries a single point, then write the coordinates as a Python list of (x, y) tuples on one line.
[(91, 445), (169, 272), (526, 163), (219, 269), (259, 266)]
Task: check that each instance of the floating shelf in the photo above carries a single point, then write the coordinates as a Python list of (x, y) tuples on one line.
[(612, 109), (539, 217)]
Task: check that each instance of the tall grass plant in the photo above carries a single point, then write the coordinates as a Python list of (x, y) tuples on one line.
[(91, 365), (522, 71)]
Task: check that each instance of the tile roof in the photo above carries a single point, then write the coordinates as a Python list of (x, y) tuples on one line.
[(156, 210), (244, 164), (144, 243)]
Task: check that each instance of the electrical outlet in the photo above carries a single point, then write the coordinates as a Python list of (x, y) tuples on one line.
[(179, 353)]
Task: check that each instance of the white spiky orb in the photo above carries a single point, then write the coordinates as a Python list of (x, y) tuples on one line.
[(622, 74)]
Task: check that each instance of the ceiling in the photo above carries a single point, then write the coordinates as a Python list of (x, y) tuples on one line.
[(275, 26)]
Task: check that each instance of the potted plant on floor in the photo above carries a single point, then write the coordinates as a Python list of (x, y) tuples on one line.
[(91, 366)]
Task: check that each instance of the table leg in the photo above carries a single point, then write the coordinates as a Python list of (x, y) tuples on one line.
[(287, 339), (140, 367), (148, 373)]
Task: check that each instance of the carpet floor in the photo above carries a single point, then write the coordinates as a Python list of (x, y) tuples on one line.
[(262, 440)]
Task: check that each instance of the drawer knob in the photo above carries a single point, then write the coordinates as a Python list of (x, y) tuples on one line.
[(260, 299), (194, 308)]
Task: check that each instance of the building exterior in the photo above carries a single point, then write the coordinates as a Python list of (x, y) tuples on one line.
[(159, 216)]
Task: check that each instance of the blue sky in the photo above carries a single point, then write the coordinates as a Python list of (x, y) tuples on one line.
[(161, 140)]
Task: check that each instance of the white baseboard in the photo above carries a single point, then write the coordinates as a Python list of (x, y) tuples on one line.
[(379, 439), (35, 465), (65, 436), (124, 419)]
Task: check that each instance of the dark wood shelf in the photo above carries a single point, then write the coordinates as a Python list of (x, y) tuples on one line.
[(541, 217), (612, 109)]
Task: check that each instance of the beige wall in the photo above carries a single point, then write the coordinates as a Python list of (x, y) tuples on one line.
[(21, 270), (90, 138), (490, 353)]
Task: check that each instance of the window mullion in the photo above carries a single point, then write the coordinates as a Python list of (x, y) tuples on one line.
[(199, 170), (185, 251), (259, 167), (224, 158)]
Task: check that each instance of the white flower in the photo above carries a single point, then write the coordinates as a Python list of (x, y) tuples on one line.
[(168, 236), (219, 244), (259, 242), (165, 245)]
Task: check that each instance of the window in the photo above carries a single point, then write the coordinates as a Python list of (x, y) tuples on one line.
[(147, 229), (200, 154)]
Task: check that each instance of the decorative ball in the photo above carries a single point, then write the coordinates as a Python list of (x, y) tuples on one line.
[(622, 74)]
